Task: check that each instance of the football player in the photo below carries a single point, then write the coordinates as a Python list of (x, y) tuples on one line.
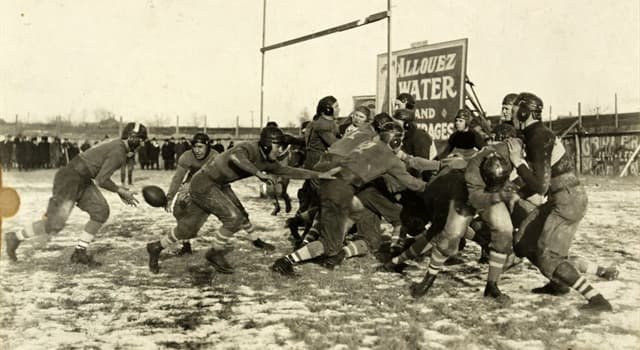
[(77, 185)]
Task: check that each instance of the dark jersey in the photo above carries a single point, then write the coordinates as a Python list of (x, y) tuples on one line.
[(372, 159), (546, 158), (245, 160)]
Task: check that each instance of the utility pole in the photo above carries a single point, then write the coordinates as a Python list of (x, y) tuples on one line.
[(264, 31), (615, 106), (389, 70)]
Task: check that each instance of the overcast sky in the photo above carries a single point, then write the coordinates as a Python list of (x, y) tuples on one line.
[(153, 60)]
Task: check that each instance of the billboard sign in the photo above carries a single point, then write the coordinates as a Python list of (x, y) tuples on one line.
[(435, 76)]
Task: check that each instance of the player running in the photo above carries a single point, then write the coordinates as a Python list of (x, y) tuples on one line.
[(77, 185)]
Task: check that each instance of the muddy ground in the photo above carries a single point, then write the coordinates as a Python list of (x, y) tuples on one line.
[(45, 303)]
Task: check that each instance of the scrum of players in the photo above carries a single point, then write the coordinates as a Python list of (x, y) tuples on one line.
[(515, 194)]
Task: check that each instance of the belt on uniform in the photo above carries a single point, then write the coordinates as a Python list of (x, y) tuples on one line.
[(79, 166)]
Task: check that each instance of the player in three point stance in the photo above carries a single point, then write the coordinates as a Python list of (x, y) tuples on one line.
[(211, 194), (75, 184), (554, 223), (188, 164)]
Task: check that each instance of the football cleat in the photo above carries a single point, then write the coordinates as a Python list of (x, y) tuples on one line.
[(258, 243), (609, 273), (154, 249), (392, 268), (80, 256), (331, 262), (552, 288), (491, 290), (597, 304), (11, 242), (284, 267), (218, 261), (420, 289)]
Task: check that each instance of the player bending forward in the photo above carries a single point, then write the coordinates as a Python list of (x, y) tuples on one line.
[(211, 194), (75, 184)]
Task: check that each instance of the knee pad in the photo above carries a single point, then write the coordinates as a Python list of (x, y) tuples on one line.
[(548, 262), (101, 215), (57, 214), (448, 243), (502, 242)]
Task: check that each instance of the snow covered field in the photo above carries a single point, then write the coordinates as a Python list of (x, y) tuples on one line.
[(45, 303)]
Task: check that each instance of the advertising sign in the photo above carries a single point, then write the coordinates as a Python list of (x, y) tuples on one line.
[(435, 76)]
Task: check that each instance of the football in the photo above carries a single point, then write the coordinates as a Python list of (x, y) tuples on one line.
[(155, 196)]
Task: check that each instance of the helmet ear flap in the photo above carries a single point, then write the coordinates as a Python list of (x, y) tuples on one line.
[(523, 111)]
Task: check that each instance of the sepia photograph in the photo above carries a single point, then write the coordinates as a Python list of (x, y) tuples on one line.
[(320, 174)]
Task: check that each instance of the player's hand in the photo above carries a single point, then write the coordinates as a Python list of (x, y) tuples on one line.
[(168, 208), (515, 151), (509, 197), (264, 177), (329, 174), (127, 197)]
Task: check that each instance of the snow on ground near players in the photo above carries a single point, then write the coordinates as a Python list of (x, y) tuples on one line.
[(45, 303)]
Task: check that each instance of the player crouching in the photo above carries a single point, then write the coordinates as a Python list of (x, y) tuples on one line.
[(211, 194), (75, 185)]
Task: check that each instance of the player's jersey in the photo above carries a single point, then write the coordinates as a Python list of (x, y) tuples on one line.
[(479, 198), (223, 170), (319, 135), (372, 159), (188, 165), (103, 160), (546, 157), (350, 141)]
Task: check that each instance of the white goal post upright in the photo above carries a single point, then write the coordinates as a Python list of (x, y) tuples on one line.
[(351, 25), (633, 156)]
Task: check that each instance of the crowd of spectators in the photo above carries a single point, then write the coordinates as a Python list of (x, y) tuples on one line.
[(25, 153)]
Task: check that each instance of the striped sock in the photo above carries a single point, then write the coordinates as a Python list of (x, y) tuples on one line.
[(248, 227), (437, 261), (221, 239), (169, 239), (419, 247), (496, 265), (355, 248), (85, 239), (313, 234), (585, 288), (308, 252)]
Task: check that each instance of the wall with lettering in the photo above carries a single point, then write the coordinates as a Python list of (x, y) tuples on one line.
[(605, 155)]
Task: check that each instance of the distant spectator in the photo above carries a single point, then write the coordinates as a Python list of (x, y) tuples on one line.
[(65, 152), (127, 168), (73, 150), (168, 151), (154, 154), (6, 152), (55, 152), (85, 146), (43, 152), (143, 155), (181, 147)]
